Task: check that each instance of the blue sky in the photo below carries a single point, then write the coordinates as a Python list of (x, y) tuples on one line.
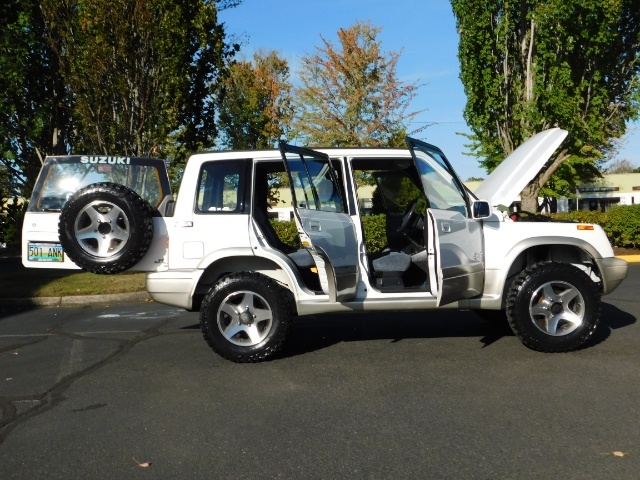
[(425, 33)]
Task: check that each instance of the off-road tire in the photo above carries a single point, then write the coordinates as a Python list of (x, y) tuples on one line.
[(553, 307), (246, 317), (105, 228)]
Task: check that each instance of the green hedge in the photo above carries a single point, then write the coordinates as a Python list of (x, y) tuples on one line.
[(374, 231), (621, 223)]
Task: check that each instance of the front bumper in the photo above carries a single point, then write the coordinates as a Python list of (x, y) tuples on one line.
[(613, 271)]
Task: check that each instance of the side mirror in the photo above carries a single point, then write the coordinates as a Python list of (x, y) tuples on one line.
[(481, 209)]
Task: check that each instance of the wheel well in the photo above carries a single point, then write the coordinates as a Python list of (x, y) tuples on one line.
[(228, 265), (557, 253)]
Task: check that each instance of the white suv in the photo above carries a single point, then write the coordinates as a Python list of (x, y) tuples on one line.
[(214, 248)]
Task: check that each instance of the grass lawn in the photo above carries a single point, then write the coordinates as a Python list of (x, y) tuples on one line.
[(19, 282)]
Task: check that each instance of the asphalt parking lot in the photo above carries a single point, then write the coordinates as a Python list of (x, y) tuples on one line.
[(133, 391)]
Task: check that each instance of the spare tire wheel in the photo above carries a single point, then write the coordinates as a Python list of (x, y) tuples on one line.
[(106, 228)]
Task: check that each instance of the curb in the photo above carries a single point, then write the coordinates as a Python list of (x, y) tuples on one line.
[(74, 300), (629, 258)]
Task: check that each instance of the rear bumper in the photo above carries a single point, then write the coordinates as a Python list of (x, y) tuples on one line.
[(613, 271), (173, 288)]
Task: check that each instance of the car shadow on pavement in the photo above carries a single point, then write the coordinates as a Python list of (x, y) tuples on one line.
[(316, 332), (612, 318)]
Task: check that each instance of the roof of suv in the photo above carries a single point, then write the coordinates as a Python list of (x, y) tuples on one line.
[(331, 151)]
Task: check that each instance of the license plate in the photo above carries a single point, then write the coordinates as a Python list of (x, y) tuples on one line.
[(45, 252)]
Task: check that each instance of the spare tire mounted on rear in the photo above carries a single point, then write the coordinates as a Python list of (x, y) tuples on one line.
[(106, 228)]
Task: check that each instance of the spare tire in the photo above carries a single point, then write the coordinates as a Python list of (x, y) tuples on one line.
[(105, 228)]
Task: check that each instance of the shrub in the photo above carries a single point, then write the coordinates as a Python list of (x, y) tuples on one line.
[(287, 232), (375, 232), (583, 216), (623, 226), (621, 223), (11, 218)]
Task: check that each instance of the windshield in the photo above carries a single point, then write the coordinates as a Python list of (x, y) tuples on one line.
[(62, 177)]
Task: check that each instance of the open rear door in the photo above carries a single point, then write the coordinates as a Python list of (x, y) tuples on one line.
[(454, 239), (324, 226)]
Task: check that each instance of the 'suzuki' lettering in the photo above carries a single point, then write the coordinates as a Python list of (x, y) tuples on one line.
[(107, 160)]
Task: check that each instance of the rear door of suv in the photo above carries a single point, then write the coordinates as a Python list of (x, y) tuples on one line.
[(324, 225)]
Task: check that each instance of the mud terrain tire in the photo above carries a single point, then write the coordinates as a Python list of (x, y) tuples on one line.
[(105, 228), (246, 317), (553, 307)]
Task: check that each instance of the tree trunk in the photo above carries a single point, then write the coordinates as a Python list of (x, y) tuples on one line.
[(529, 198)]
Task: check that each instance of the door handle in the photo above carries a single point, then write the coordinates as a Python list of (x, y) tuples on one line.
[(446, 228), (314, 226)]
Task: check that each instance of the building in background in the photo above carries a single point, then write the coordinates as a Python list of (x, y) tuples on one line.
[(611, 189)]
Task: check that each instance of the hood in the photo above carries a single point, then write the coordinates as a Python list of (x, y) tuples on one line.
[(506, 182)]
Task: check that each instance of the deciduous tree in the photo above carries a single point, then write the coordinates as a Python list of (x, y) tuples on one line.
[(622, 166), (35, 113), (144, 73), (350, 93), (528, 65), (256, 107)]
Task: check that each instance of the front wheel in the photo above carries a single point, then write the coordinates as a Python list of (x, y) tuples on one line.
[(553, 307), (246, 317)]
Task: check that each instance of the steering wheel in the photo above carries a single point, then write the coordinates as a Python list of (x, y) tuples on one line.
[(409, 216)]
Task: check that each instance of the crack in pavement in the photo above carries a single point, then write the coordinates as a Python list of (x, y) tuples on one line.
[(17, 346), (10, 419)]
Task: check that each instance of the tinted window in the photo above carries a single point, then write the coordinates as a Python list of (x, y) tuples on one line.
[(221, 187), (62, 177)]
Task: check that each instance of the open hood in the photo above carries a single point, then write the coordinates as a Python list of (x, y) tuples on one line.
[(506, 182)]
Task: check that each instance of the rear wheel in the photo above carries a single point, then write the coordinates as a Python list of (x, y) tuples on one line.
[(246, 317), (553, 307)]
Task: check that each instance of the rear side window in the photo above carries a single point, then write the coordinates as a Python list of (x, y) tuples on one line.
[(221, 187), (61, 177)]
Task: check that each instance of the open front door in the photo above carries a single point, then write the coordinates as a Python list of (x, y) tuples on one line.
[(324, 226), (454, 239)]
